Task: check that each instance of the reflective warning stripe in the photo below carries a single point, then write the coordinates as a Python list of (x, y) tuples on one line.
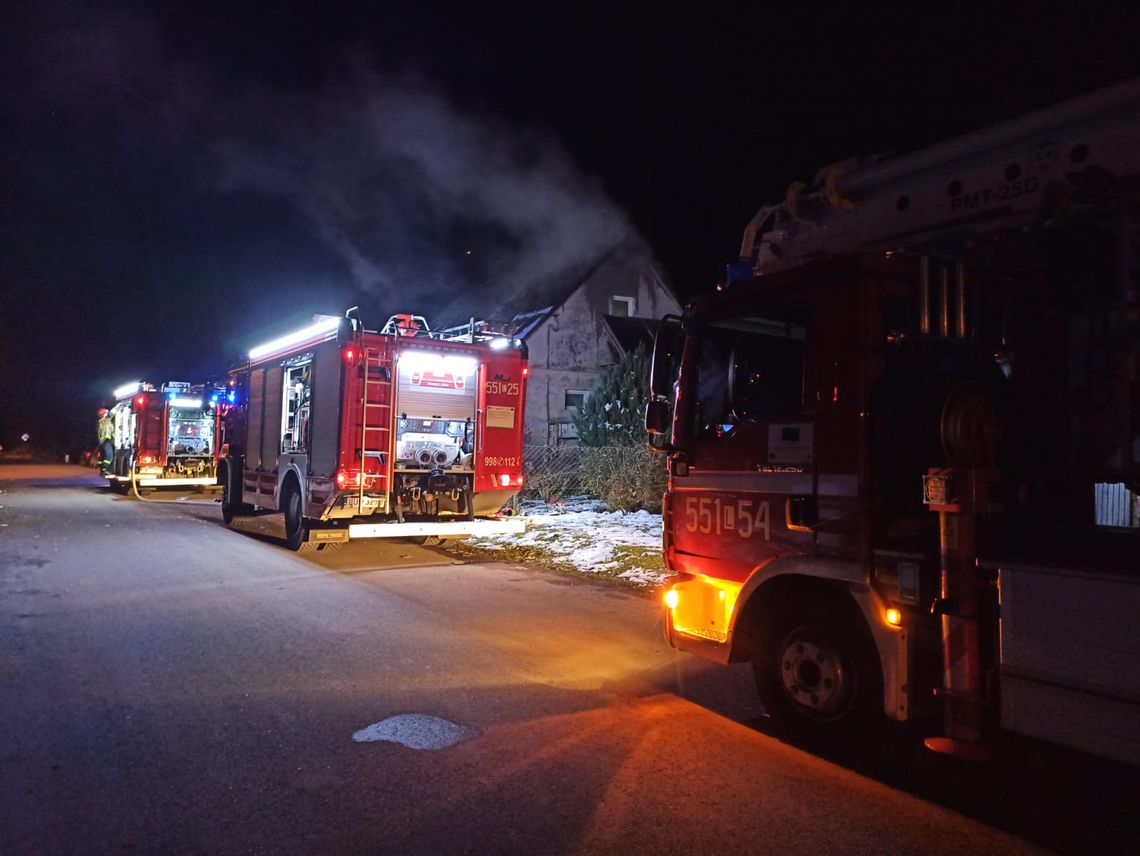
[(828, 484)]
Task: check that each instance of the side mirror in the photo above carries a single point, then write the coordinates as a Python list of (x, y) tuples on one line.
[(666, 357), (657, 416), (657, 419)]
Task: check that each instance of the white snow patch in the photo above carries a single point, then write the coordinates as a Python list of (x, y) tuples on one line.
[(582, 532), (414, 730)]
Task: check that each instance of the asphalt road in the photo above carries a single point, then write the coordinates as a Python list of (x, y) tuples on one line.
[(171, 686)]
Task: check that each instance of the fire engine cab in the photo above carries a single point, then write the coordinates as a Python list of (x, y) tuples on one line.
[(396, 433), (903, 441), (162, 436)]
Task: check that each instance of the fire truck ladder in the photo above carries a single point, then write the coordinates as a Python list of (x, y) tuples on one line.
[(370, 358)]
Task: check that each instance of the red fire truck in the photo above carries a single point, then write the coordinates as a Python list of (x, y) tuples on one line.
[(161, 436), (353, 433), (903, 441)]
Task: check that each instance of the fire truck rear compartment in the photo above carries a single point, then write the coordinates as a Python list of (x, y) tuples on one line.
[(190, 450), (435, 436), (376, 435)]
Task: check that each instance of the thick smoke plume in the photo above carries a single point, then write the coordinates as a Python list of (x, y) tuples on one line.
[(401, 185), (415, 195)]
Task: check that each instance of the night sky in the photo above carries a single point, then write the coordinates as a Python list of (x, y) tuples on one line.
[(181, 181)]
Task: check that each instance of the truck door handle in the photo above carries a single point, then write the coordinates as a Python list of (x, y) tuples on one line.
[(801, 513)]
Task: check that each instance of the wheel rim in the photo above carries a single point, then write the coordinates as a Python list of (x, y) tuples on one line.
[(814, 674)]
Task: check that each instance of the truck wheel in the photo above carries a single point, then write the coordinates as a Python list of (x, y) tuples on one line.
[(818, 673), (296, 530), (229, 507), (232, 506)]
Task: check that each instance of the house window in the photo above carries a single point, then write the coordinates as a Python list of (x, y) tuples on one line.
[(575, 398), (623, 307)]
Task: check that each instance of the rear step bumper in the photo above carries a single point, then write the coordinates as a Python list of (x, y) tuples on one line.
[(444, 529), (159, 481)]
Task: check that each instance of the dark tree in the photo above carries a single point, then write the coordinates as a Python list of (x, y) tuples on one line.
[(614, 412)]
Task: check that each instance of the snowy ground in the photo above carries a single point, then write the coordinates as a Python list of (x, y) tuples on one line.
[(580, 534)]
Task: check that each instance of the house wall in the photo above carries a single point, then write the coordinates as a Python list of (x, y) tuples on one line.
[(570, 348)]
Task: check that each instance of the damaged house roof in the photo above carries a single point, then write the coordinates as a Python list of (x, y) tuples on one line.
[(521, 310)]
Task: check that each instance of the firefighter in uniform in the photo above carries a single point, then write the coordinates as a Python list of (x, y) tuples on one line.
[(106, 446)]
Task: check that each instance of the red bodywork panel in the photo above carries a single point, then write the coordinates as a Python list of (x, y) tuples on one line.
[(373, 354), (501, 393), (745, 498), (390, 424), (150, 437), (151, 441)]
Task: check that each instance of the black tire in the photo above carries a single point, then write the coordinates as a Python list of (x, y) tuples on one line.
[(817, 671), (230, 483), (229, 507), (296, 529)]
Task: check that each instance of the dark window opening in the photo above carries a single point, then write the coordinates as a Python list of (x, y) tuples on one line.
[(574, 398), (622, 307)]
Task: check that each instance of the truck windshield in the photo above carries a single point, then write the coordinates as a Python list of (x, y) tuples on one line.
[(751, 368)]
